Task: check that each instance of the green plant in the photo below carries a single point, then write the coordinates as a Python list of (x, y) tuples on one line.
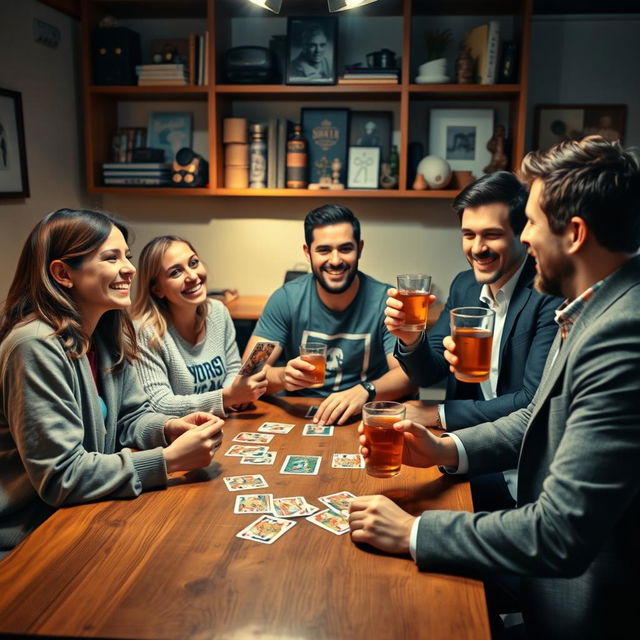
[(437, 41)]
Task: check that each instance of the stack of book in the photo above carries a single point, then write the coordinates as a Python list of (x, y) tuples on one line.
[(483, 42), (164, 74), (132, 174), (369, 75)]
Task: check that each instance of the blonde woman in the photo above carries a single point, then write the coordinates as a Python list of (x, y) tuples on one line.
[(189, 358)]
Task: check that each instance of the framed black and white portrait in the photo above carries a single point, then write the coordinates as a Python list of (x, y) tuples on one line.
[(311, 50), (372, 129), (14, 182)]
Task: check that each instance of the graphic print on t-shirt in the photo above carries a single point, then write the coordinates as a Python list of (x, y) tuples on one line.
[(209, 375), (345, 352)]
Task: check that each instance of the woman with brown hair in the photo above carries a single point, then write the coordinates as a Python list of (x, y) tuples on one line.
[(71, 402), (189, 358)]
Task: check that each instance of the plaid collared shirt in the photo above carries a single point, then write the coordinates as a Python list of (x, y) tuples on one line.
[(568, 312)]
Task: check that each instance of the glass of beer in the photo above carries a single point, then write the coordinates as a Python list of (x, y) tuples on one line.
[(383, 441), (472, 331), (315, 353), (413, 292)]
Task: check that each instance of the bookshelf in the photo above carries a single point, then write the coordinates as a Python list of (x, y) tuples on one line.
[(396, 24)]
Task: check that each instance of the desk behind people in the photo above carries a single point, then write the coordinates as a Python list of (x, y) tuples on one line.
[(169, 564)]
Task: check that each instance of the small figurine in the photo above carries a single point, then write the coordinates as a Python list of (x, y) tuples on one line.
[(499, 159), (465, 66), (336, 165), (420, 184)]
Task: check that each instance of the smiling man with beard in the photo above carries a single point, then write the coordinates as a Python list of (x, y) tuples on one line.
[(338, 305), (491, 212)]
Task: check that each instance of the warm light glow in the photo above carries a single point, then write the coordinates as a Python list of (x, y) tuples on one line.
[(272, 5), (344, 5)]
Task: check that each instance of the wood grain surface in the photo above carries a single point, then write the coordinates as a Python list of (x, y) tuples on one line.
[(168, 564)]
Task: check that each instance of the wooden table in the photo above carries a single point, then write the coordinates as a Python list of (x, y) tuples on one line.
[(246, 307), (168, 564)]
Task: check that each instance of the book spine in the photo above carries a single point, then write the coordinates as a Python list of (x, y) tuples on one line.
[(281, 153), (205, 80), (493, 43), (139, 181), (192, 55), (272, 152)]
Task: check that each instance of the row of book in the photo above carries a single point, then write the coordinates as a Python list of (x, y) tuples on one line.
[(142, 174), (369, 75), (125, 140), (162, 74), (278, 131), (483, 42)]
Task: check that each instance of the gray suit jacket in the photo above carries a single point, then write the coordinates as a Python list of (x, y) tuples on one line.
[(575, 537)]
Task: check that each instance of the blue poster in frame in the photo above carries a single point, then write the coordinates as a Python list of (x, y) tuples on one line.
[(169, 131)]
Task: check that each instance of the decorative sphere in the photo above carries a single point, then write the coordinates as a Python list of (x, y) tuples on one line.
[(436, 171)]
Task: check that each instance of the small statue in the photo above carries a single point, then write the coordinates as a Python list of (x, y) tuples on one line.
[(465, 65), (387, 179), (499, 159), (336, 165)]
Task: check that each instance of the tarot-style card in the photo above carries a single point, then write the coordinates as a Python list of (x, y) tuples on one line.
[(255, 438), (317, 430), (254, 503), (347, 461), (292, 507), (275, 427), (240, 483), (266, 529), (247, 451), (338, 502), (301, 465), (268, 458), (334, 522), (257, 358)]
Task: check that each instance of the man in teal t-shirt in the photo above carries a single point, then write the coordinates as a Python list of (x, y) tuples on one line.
[(341, 307)]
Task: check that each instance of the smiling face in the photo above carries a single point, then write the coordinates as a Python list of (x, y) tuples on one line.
[(182, 277), (554, 268), (102, 282), (489, 244), (334, 256)]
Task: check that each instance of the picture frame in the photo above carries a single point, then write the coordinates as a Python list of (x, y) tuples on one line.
[(556, 122), (311, 50), (170, 131), (14, 179), (372, 129), (364, 167), (327, 132), (460, 136)]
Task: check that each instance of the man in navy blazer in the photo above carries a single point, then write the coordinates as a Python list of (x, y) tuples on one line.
[(573, 542), (491, 212)]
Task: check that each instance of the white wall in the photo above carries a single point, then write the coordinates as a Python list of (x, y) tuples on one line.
[(52, 116)]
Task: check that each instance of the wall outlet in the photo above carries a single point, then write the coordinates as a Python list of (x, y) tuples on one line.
[(45, 33)]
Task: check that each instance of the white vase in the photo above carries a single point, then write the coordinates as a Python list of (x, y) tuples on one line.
[(433, 71), (436, 171)]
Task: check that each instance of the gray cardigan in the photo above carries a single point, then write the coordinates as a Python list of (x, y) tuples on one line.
[(55, 447)]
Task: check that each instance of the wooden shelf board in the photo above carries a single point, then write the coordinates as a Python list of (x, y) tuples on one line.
[(297, 90), (156, 92), (153, 8), (151, 191)]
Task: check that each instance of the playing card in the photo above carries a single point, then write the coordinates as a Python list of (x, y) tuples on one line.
[(311, 411), (268, 458), (347, 461), (240, 483), (290, 507), (266, 529), (257, 358), (254, 503), (251, 436), (338, 502), (330, 521), (246, 450), (317, 430), (275, 427), (301, 465)]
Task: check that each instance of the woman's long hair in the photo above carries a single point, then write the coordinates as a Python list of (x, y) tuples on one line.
[(68, 235), (150, 310)]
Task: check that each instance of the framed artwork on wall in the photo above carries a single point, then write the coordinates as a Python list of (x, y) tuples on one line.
[(170, 132), (460, 136), (311, 50), (553, 123), (14, 181), (364, 168)]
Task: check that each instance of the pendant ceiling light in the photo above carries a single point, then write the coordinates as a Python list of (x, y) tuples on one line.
[(272, 5), (344, 5)]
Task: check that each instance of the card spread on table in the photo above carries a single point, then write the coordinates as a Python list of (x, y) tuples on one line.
[(251, 436), (275, 427), (240, 483), (268, 458), (247, 450), (254, 503), (317, 430), (301, 465), (338, 502), (347, 461), (266, 529), (330, 521), (292, 507)]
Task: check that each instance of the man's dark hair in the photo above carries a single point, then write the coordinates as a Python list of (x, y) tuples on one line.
[(593, 179), (501, 186), (330, 214)]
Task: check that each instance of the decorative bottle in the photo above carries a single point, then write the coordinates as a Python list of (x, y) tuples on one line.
[(257, 157), (297, 157)]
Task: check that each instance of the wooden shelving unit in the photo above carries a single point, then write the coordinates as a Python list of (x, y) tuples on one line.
[(410, 101)]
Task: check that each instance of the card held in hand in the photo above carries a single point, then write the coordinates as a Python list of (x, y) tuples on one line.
[(257, 358)]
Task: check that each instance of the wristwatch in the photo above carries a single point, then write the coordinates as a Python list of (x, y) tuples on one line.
[(370, 389)]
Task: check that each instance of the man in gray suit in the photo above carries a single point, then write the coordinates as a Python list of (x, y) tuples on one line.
[(573, 541)]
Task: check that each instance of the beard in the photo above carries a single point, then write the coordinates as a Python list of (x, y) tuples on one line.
[(552, 284), (339, 288)]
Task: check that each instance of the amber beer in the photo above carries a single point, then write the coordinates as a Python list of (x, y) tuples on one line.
[(383, 441), (315, 353), (472, 331), (413, 292)]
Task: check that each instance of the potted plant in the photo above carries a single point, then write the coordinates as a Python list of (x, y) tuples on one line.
[(435, 68)]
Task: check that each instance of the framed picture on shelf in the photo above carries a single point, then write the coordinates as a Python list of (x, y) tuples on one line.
[(170, 132), (372, 129), (311, 50), (460, 136), (554, 123), (14, 182), (327, 132), (364, 168)]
